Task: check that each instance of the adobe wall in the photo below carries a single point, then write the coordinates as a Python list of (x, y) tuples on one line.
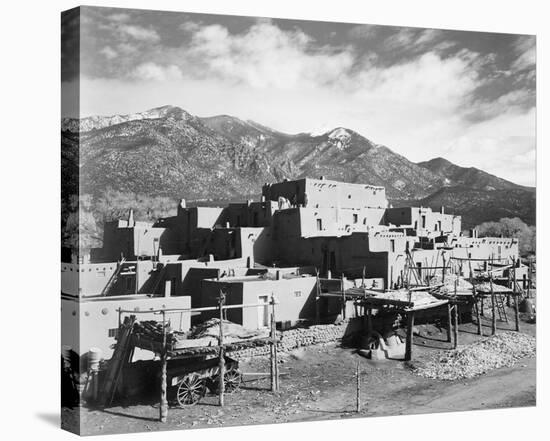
[(295, 298), (434, 222), (326, 193), (86, 279), (93, 322)]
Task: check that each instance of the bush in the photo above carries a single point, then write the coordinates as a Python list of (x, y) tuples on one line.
[(512, 227)]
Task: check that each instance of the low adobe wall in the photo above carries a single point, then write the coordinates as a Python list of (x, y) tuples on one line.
[(301, 337)]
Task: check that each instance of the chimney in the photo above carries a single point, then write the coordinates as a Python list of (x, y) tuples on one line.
[(442, 209), (183, 204), (278, 275), (131, 221), (322, 178)]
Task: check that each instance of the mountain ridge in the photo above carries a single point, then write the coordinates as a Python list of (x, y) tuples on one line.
[(168, 152)]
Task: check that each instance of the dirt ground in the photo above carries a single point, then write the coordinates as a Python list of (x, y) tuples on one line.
[(319, 383)]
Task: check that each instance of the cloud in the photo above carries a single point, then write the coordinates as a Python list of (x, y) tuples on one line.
[(363, 32), (266, 56), (525, 49), (139, 33), (421, 92), (120, 17), (151, 71), (108, 52)]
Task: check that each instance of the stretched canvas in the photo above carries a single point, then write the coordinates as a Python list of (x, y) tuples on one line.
[(273, 220)]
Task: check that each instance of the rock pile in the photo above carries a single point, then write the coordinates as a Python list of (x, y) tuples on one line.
[(500, 350), (296, 338)]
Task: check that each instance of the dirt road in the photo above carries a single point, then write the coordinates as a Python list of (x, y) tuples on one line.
[(319, 383)]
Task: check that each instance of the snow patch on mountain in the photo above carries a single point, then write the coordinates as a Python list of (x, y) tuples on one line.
[(99, 122), (340, 133)]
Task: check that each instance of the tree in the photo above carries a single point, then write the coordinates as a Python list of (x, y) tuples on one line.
[(512, 227)]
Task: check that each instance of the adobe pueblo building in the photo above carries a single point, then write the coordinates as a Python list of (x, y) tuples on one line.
[(300, 232)]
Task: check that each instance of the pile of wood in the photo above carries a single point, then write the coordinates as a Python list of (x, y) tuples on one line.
[(487, 287), (502, 350), (150, 335), (416, 298), (447, 287)]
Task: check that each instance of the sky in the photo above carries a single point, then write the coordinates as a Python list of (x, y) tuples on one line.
[(466, 96)]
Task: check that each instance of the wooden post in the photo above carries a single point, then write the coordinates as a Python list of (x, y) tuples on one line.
[(493, 308), (163, 408), (221, 376), (358, 396), (444, 268), (275, 379), (478, 315), (343, 297), (529, 277), (317, 298), (455, 327), (408, 343), (363, 278), (516, 311), (137, 268), (273, 350), (456, 298), (449, 322), (482, 306), (369, 323)]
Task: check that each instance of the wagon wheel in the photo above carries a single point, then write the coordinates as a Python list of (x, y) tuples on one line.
[(190, 390), (233, 379)]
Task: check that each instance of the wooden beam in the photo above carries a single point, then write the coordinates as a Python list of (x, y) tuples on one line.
[(449, 323), (409, 342), (163, 407), (455, 325), (516, 311), (221, 361), (272, 354)]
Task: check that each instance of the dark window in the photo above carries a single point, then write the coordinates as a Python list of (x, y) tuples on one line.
[(129, 283), (423, 221), (113, 332), (355, 218), (319, 224), (173, 286), (392, 245)]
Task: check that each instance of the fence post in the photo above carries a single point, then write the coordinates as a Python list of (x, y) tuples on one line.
[(358, 375), (163, 399), (493, 308), (221, 376), (274, 367), (317, 298)]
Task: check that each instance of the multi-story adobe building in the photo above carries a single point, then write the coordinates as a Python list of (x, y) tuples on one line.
[(332, 228)]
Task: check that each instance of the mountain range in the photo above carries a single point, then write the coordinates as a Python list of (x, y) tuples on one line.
[(168, 152)]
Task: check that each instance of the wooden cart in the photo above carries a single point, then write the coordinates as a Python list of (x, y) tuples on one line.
[(189, 382)]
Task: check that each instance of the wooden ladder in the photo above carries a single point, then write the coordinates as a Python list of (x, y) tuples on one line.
[(159, 278), (121, 354), (113, 278), (499, 300)]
